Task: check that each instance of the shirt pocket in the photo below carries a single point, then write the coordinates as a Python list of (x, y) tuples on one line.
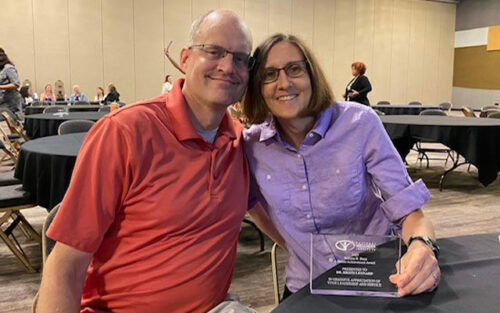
[(275, 189), (340, 186)]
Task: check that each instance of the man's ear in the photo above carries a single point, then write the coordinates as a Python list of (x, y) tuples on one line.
[(185, 54)]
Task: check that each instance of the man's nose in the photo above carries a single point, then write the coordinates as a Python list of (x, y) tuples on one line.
[(226, 63)]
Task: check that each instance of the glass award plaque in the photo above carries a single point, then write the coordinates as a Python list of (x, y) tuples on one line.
[(354, 265)]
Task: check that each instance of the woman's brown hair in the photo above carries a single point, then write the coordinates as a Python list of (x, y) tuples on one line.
[(254, 107)]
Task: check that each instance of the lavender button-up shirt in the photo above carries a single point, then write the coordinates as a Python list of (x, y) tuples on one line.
[(346, 177)]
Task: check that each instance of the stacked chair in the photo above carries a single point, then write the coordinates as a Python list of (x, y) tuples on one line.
[(12, 198)]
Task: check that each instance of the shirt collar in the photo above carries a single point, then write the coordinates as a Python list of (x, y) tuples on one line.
[(269, 128), (178, 113)]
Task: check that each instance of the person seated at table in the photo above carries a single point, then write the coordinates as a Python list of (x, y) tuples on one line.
[(112, 95), (47, 95), (151, 218), (167, 85), (99, 97), (77, 95), (28, 97), (323, 166)]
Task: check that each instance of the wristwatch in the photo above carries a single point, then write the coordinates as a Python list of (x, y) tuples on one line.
[(428, 241)]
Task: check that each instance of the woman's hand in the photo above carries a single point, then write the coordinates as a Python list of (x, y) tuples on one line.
[(354, 94), (419, 271)]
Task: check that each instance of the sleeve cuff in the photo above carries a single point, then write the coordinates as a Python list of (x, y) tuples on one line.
[(406, 201)]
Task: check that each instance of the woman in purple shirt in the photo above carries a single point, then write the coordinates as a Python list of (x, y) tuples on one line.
[(323, 166)]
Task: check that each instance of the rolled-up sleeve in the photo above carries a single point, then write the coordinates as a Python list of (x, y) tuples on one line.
[(405, 201), (12, 76), (390, 179)]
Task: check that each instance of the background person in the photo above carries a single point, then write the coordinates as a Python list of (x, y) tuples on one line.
[(167, 85), (77, 95), (10, 98), (99, 97), (26, 94), (47, 94), (112, 96), (338, 171), (359, 87)]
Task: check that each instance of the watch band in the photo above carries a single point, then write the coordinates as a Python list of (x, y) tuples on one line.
[(428, 241)]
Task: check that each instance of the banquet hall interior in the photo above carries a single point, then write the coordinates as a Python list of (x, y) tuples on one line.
[(427, 51)]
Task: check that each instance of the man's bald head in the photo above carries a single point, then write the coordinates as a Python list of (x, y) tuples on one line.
[(227, 17)]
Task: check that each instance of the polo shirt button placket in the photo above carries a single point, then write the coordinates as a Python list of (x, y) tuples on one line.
[(211, 181)]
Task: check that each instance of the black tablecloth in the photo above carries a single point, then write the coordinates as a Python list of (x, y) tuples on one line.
[(404, 109), (45, 165), (476, 139), (470, 283), (42, 125), (29, 110)]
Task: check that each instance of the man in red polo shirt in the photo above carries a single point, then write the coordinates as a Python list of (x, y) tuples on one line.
[(152, 215)]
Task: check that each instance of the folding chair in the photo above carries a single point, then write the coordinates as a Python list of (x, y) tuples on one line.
[(468, 112), (75, 126), (424, 150), (47, 246), (10, 149), (383, 102), (48, 243), (446, 106), (55, 109), (15, 127), (277, 281), (494, 115), (12, 200), (247, 220)]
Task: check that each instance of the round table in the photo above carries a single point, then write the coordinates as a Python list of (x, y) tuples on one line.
[(476, 139), (470, 279), (45, 166), (403, 109), (37, 109), (42, 125)]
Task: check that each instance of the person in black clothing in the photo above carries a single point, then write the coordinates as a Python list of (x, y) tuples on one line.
[(359, 86), (113, 95)]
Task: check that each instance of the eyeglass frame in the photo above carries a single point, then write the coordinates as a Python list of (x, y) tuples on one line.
[(250, 59), (304, 64)]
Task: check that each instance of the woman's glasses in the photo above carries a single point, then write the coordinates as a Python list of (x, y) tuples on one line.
[(292, 69)]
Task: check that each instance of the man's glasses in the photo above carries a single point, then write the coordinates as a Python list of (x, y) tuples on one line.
[(292, 70), (241, 60)]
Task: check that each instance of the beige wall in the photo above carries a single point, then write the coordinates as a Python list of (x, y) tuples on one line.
[(407, 44)]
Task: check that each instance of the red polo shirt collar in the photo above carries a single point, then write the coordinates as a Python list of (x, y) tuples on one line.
[(182, 126)]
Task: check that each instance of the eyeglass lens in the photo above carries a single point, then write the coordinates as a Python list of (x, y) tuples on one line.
[(292, 69)]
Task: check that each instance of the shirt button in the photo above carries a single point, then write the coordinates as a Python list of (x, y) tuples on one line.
[(299, 156), (268, 177), (308, 216), (330, 260), (337, 171), (304, 187)]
